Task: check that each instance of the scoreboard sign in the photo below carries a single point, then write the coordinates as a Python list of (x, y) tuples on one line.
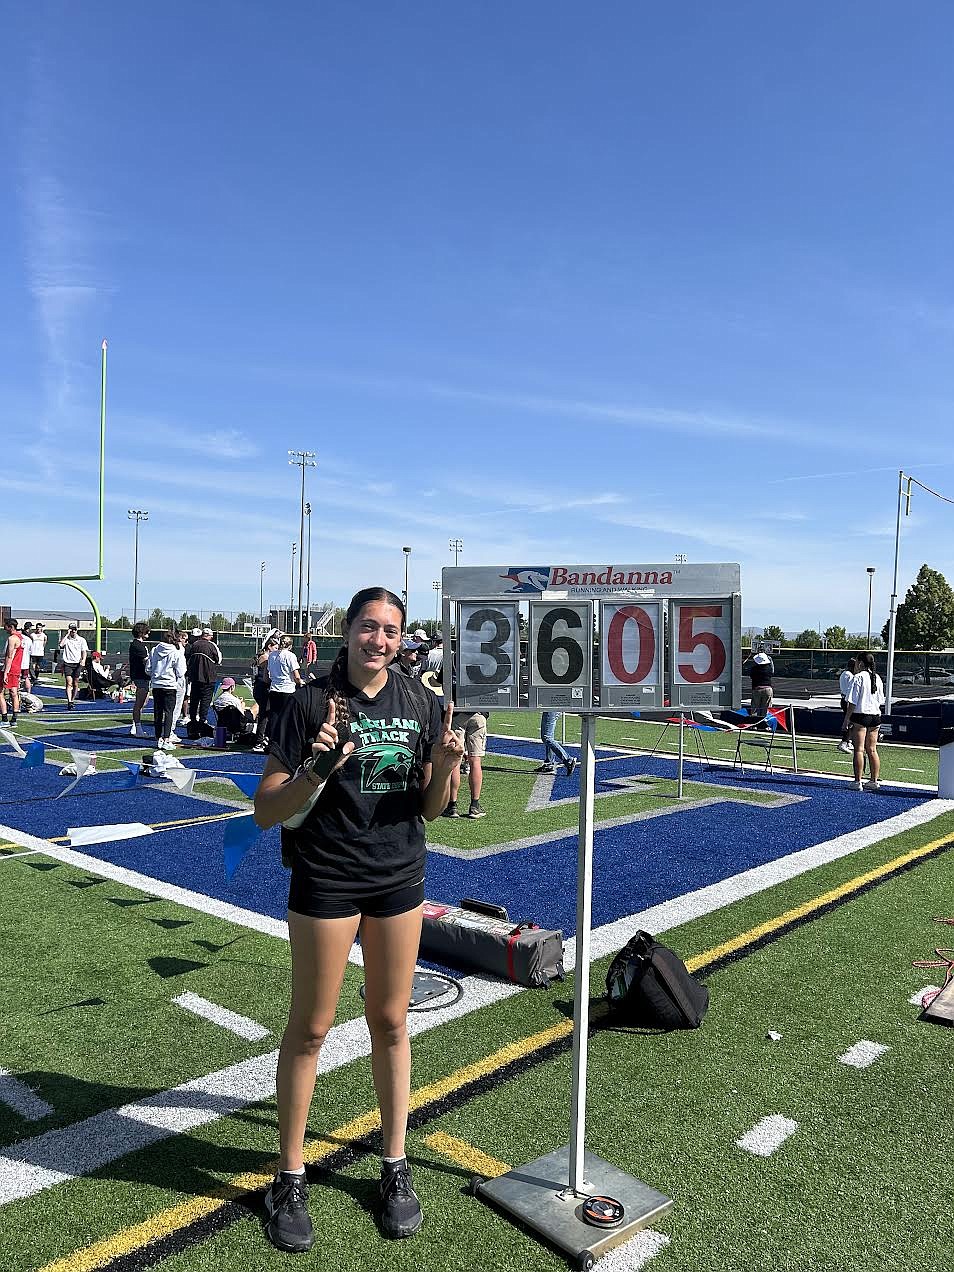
[(594, 638)]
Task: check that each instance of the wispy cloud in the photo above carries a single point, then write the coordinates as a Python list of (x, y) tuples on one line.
[(63, 277), (215, 443)]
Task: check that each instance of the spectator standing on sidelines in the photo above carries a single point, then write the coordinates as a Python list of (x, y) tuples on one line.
[(408, 659), (551, 747), (39, 652), (470, 729), (181, 638), (26, 665), (309, 652), (12, 666), (761, 669), (435, 657), (205, 657), (72, 654), (166, 668), (139, 675), (284, 678), (844, 686), (865, 700), (260, 690)]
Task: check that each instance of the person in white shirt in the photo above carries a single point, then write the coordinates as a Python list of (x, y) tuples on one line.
[(72, 653), (27, 666), (844, 684), (863, 714), (284, 679), (167, 667), (39, 652), (180, 639)]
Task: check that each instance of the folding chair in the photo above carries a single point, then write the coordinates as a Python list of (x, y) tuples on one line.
[(759, 734)]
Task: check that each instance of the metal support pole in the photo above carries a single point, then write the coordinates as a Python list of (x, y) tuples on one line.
[(682, 751), (581, 977), (301, 540), (791, 725), (135, 571), (894, 597), (308, 572)]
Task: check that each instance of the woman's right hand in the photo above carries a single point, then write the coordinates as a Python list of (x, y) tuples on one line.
[(327, 738)]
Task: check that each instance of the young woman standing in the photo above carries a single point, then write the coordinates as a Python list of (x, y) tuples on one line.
[(865, 698), (139, 675), (357, 865)]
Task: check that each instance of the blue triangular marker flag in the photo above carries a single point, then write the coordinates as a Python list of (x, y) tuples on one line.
[(240, 834), (133, 777), (246, 782), (33, 757), (635, 714)]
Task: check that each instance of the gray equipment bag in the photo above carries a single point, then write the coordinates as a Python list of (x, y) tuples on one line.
[(477, 936)]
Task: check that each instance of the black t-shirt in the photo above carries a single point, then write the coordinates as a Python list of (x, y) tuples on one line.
[(138, 660), (365, 833), (761, 673)]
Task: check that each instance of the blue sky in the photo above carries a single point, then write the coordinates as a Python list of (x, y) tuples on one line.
[(573, 283)]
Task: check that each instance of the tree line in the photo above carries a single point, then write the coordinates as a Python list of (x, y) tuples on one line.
[(925, 620)]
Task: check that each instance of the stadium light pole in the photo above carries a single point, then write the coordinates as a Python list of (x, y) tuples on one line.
[(291, 601), (893, 614), (137, 515), (301, 459), (456, 546), (436, 585), (308, 572), (871, 574), (261, 592), (407, 562)]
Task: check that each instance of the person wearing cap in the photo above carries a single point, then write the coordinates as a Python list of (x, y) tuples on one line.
[(260, 686), (230, 711), (72, 654), (760, 669), (204, 661), (420, 634), (407, 659)]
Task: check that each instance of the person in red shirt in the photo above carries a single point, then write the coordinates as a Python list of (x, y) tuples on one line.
[(12, 666)]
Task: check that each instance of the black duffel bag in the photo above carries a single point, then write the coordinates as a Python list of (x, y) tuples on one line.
[(648, 984)]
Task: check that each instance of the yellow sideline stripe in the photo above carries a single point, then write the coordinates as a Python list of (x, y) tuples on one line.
[(463, 1154), (102, 1253), (182, 821), (809, 907)]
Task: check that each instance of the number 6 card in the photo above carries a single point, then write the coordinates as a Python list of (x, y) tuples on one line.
[(561, 655)]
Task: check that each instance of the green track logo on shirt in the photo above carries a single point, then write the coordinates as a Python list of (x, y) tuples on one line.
[(385, 751)]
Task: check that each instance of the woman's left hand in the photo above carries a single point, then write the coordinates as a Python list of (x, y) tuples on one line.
[(446, 754)]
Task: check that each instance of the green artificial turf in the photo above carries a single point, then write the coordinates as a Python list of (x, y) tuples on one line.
[(863, 1184)]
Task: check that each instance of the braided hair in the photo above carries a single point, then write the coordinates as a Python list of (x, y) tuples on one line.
[(337, 690), (866, 663)]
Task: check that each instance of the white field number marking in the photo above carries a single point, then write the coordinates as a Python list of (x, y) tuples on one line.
[(230, 1020), (863, 1053), (768, 1135)]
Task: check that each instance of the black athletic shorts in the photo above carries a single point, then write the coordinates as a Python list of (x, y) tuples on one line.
[(865, 721), (304, 899)]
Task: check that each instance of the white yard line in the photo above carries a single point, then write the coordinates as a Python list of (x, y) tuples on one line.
[(222, 1016), (21, 1098), (767, 1136), (634, 1254), (68, 1152), (863, 1054), (915, 999)]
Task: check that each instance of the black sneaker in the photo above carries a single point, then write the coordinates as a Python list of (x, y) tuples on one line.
[(450, 811), (570, 765), (546, 768), (476, 810), (13, 722), (399, 1210), (4, 720), (287, 1222)]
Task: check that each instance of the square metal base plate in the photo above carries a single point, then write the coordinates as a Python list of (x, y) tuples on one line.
[(537, 1195)]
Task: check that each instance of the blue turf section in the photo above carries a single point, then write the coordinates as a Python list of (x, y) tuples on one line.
[(635, 865)]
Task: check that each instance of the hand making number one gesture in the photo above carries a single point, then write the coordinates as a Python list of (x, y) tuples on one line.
[(328, 738), (446, 754)]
